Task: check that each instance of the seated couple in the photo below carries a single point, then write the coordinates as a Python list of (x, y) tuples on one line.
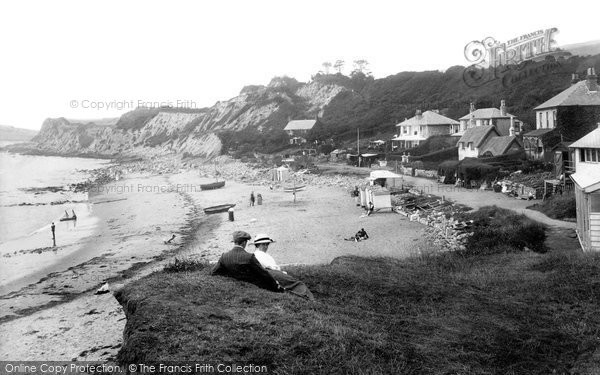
[(258, 268)]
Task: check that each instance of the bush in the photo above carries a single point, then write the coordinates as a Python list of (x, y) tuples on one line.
[(558, 207), (185, 265), (498, 230)]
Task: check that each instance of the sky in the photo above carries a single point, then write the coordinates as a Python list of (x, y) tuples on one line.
[(99, 59)]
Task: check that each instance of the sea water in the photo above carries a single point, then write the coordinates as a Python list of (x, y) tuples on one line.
[(34, 192)]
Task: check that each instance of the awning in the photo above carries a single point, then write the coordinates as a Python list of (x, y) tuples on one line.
[(383, 174), (589, 182)]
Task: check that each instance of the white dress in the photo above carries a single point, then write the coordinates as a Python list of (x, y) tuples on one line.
[(266, 260)]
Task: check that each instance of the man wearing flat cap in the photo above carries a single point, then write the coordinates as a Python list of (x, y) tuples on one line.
[(241, 265)]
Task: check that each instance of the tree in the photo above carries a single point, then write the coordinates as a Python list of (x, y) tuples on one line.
[(361, 66), (326, 65), (339, 65)]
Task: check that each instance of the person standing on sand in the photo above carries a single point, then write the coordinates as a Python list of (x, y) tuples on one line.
[(53, 228), (251, 199)]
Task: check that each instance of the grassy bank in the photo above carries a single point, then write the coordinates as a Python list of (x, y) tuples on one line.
[(560, 207), (517, 313)]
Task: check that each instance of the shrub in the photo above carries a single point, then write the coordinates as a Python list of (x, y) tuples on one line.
[(185, 265), (558, 207), (497, 230)]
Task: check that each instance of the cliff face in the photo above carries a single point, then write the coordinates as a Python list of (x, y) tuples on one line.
[(150, 132)]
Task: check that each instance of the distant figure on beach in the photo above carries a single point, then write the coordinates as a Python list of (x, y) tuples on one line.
[(252, 199), (241, 265), (53, 228), (370, 209), (259, 199), (362, 234)]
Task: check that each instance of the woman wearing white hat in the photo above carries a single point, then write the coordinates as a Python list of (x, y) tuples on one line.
[(288, 282), (262, 242)]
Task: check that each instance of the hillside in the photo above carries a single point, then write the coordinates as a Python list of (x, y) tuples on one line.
[(12, 134), (254, 120), (151, 132)]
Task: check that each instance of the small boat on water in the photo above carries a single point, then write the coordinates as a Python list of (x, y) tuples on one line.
[(212, 186), (68, 218), (219, 208)]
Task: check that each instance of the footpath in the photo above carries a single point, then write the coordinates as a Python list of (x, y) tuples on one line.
[(476, 198)]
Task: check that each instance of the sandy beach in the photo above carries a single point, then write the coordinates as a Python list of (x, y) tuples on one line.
[(54, 314)]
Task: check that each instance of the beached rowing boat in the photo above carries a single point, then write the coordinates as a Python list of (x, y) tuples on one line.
[(212, 186), (68, 218), (219, 208), (291, 189)]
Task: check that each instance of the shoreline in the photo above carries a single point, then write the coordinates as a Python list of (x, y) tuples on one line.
[(128, 246)]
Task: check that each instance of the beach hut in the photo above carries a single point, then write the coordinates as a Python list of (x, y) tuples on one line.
[(281, 174), (380, 197), (587, 189)]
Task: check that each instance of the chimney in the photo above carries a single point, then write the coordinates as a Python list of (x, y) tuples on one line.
[(472, 107), (418, 114), (574, 78), (502, 107), (591, 80)]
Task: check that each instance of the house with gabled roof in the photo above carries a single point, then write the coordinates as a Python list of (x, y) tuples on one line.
[(299, 129), (421, 126), (486, 141), (587, 189), (565, 117), (504, 122)]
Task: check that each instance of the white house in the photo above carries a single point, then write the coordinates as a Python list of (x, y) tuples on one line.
[(587, 189), (421, 126)]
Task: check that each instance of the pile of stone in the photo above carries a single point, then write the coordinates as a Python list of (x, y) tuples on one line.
[(443, 229)]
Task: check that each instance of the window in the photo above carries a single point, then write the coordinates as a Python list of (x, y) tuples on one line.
[(595, 202), (547, 120), (540, 120), (554, 118), (590, 155), (462, 145), (470, 145)]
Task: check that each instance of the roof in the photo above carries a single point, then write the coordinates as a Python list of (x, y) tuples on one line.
[(477, 134), (590, 140), (383, 174), (538, 132), (576, 94), (484, 113), (300, 125), (499, 145), (368, 155), (429, 118), (589, 181)]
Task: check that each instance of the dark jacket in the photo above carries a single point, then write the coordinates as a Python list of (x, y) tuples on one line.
[(241, 265)]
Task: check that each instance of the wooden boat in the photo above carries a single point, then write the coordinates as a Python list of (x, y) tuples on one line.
[(68, 218), (212, 185), (291, 189), (219, 208)]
